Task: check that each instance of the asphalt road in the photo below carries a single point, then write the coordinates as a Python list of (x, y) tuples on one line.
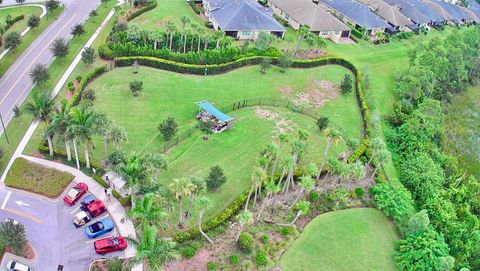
[(15, 84), (50, 231)]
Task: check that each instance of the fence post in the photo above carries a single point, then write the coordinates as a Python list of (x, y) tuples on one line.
[(246, 103), (288, 104), (259, 101), (233, 108)]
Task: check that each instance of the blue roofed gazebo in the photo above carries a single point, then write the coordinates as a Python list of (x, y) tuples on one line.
[(210, 114)]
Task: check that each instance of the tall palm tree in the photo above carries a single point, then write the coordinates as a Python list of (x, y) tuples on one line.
[(200, 185), (61, 120), (147, 210), (84, 127), (257, 177), (376, 144), (219, 35), (333, 136), (306, 185), (104, 127), (303, 207), (195, 27), (383, 155), (181, 188), (154, 250), (185, 20), (41, 108), (271, 189), (245, 218), (201, 32), (273, 151), (156, 37), (170, 28), (201, 204), (303, 33), (118, 135), (132, 171)]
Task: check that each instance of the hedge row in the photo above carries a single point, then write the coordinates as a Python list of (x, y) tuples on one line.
[(357, 33), (150, 6), (11, 22), (89, 77), (195, 8)]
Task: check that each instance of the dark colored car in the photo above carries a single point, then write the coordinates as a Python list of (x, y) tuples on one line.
[(110, 244), (86, 201), (99, 228), (75, 193), (93, 210)]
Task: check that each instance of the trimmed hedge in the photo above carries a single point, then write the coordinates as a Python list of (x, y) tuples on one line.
[(89, 77), (10, 23), (105, 52), (356, 33), (195, 8), (150, 6)]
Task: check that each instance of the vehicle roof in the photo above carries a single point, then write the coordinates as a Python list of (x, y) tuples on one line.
[(95, 205), (80, 215), (18, 266)]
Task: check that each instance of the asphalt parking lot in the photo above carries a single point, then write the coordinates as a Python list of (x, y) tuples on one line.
[(50, 231)]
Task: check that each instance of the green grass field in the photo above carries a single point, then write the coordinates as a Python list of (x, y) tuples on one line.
[(348, 240), (38, 179), (17, 11), (169, 10)]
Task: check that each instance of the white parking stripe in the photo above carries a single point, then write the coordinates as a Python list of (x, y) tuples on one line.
[(110, 234), (76, 209), (6, 199)]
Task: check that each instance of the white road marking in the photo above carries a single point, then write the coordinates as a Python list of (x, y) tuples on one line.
[(6, 199), (100, 237), (21, 203)]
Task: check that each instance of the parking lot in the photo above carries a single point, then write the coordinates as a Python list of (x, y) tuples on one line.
[(50, 231)]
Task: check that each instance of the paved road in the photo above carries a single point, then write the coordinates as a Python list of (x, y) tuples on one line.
[(15, 84), (50, 231)]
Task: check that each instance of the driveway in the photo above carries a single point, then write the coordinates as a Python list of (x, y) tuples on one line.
[(50, 231), (15, 83)]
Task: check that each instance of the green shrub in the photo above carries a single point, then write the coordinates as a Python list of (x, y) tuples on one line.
[(135, 14), (265, 239), (78, 78), (188, 252), (359, 192), (70, 84), (195, 8), (285, 231), (261, 258), (234, 259), (9, 22), (313, 196), (245, 242), (105, 52), (212, 266), (356, 33)]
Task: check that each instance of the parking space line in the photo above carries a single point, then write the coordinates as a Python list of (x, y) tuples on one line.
[(6, 199), (75, 209), (24, 215), (91, 241)]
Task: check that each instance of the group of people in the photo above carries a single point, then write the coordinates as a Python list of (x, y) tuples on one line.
[(217, 126)]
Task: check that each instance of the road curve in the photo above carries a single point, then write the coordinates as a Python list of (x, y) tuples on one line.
[(15, 84)]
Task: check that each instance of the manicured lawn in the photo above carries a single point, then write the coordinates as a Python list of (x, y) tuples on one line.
[(169, 10), (38, 179), (18, 126), (10, 58), (354, 239)]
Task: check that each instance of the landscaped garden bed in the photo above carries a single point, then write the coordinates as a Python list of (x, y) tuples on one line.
[(36, 178)]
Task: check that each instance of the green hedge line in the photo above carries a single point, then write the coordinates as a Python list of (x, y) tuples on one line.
[(357, 33), (89, 77), (13, 21), (195, 8), (150, 6)]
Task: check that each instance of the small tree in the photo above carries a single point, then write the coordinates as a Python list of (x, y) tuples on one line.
[(284, 62), (215, 178), (52, 4), (77, 30), (39, 74), (322, 123), (20, 1), (93, 13), (12, 41), (59, 48), (13, 235), (33, 21), (265, 65), (168, 128), (88, 55), (121, 25), (347, 84), (136, 86)]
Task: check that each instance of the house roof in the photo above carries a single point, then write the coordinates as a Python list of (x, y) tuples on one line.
[(388, 12), (410, 10), (472, 16), (439, 9), (207, 106), (243, 15), (474, 6), (305, 12), (357, 12), (455, 11), (427, 10)]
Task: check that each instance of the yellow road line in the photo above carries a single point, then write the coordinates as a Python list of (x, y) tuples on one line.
[(33, 61), (31, 217)]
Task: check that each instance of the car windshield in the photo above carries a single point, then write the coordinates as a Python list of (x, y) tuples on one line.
[(97, 227), (113, 242), (72, 194)]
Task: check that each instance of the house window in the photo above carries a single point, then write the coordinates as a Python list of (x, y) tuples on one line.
[(245, 33), (337, 32), (324, 33)]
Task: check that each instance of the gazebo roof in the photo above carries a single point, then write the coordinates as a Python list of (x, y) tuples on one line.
[(207, 106)]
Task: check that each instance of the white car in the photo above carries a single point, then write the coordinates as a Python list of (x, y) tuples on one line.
[(16, 266)]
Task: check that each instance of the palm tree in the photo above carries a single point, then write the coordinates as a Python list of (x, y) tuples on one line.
[(320, 43), (271, 189), (303, 207), (201, 204), (41, 108), (303, 32), (200, 185), (61, 120), (218, 36), (289, 40), (117, 135), (257, 179), (84, 126), (333, 136), (105, 125), (357, 170), (377, 144), (170, 28), (245, 218), (194, 27), (273, 151), (156, 37), (181, 188), (154, 250), (306, 185), (201, 32), (383, 155), (185, 20), (147, 210), (132, 171)]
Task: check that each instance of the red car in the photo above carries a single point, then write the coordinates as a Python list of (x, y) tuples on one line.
[(75, 193), (110, 244), (93, 210)]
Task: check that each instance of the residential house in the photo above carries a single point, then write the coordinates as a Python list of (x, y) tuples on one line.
[(419, 13), (304, 12), (356, 15), (241, 19), (391, 14), (473, 18), (457, 14)]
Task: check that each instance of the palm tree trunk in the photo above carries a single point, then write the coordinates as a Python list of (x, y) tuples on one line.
[(262, 207), (375, 171), (50, 145), (298, 46), (218, 44), (189, 211), (293, 221), (371, 157), (284, 170), (117, 146), (249, 196), (87, 157), (296, 200), (206, 44), (155, 45), (180, 220), (185, 43), (238, 234), (255, 197), (274, 168), (199, 41), (69, 152), (171, 40), (325, 153), (105, 147), (76, 153), (193, 39), (200, 228)]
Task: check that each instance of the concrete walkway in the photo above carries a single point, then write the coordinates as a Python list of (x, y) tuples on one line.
[(115, 209)]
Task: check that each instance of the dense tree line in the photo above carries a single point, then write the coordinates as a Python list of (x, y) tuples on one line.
[(438, 69)]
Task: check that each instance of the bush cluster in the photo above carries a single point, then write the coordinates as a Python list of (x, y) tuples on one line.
[(245, 242), (84, 82), (195, 8), (9, 22), (151, 5)]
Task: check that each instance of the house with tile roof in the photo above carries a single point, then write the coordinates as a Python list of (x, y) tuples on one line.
[(304, 12), (356, 15), (418, 12), (391, 14), (451, 12), (242, 19)]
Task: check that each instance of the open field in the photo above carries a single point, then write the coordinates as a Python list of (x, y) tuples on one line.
[(17, 11), (38, 179), (354, 239)]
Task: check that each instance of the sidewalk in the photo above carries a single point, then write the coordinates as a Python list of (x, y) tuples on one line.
[(115, 209)]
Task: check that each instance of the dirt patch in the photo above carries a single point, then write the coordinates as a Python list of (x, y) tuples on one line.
[(197, 262), (28, 252), (286, 91), (282, 125), (315, 95)]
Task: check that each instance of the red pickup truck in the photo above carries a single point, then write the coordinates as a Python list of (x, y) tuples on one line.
[(92, 210)]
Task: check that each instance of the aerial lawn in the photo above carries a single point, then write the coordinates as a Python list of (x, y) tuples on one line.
[(38, 179), (169, 10), (353, 239)]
